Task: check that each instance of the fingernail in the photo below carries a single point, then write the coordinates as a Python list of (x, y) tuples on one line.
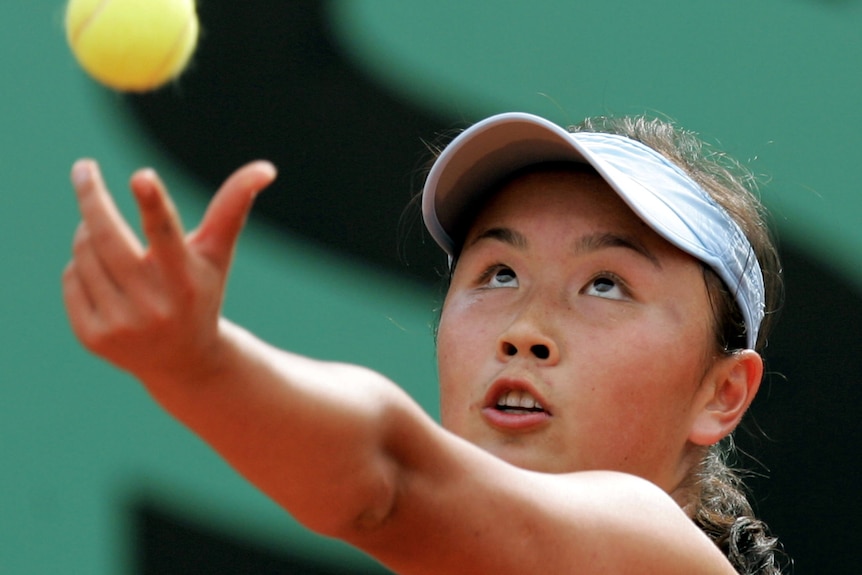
[(80, 173), (271, 167), (270, 177)]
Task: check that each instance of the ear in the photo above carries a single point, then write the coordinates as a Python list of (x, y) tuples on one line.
[(727, 390)]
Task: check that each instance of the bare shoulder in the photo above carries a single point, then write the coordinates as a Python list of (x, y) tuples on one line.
[(474, 513), (608, 522), (631, 524)]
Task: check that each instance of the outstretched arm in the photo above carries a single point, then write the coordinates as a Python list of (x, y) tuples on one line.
[(341, 448), (306, 432)]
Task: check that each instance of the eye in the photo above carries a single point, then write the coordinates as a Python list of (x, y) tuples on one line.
[(500, 276), (607, 286)]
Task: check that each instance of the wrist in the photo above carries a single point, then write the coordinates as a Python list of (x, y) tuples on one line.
[(193, 369)]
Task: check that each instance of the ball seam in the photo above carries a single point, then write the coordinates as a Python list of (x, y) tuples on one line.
[(159, 74), (76, 34)]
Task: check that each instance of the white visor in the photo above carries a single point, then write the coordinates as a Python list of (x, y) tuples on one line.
[(658, 191)]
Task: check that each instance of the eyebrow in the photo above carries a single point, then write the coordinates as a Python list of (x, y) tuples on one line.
[(505, 235), (598, 241), (585, 244)]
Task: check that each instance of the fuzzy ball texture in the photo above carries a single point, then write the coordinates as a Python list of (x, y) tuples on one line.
[(132, 45)]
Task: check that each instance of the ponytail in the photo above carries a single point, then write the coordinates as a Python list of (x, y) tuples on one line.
[(724, 513)]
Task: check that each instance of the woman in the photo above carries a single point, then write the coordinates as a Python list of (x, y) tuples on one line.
[(598, 338)]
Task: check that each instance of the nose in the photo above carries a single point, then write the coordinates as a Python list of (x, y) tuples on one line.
[(538, 350), (528, 337)]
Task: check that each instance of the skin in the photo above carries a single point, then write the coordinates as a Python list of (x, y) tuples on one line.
[(625, 323), (421, 498)]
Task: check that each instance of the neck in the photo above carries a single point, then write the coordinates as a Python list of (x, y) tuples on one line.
[(688, 487)]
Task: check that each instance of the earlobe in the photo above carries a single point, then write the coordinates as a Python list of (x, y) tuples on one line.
[(727, 391)]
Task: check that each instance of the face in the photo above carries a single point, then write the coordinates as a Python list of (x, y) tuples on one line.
[(573, 337)]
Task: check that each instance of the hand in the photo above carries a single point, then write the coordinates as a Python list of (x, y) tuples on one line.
[(154, 310)]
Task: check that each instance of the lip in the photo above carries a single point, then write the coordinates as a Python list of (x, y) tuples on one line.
[(514, 421)]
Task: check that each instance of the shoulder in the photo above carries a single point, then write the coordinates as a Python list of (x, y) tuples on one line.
[(619, 523), (469, 512)]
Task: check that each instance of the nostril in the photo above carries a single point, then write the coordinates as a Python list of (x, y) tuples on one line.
[(509, 349), (541, 351)]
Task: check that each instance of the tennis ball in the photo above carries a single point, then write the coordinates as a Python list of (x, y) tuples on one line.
[(132, 45)]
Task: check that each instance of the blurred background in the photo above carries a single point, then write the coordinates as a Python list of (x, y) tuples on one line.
[(346, 97)]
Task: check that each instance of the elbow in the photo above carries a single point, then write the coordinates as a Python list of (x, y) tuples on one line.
[(368, 476), (357, 507)]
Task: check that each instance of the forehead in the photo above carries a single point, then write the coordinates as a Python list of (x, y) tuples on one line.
[(564, 193)]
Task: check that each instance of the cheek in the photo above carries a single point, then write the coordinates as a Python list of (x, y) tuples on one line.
[(638, 426), (466, 343), (455, 343), (462, 334), (644, 382)]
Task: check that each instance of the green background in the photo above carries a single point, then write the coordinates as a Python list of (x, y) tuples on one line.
[(79, 440), (775, 82)]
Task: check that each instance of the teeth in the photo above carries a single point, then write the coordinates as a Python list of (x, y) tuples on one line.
[(517, 399)]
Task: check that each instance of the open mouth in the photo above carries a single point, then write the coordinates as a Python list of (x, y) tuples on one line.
[(517, 402)]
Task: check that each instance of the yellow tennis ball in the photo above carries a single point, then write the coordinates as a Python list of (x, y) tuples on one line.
[(132, 45)]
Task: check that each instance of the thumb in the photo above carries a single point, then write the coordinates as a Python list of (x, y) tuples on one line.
[(223, 221)]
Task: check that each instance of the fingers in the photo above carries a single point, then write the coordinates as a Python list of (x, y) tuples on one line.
[(88, 291), (226, 215), (113, 240), (108, 275), (110, 266), (131, 304), (97, 286), (79, 306), (75, 296), (159, 218)]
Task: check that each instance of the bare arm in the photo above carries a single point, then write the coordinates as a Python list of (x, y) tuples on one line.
[(305, 432), (341, 448)]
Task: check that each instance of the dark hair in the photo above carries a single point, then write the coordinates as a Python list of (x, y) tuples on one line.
[(721, 508)]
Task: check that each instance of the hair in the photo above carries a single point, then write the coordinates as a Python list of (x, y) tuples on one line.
[(721, 508)]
